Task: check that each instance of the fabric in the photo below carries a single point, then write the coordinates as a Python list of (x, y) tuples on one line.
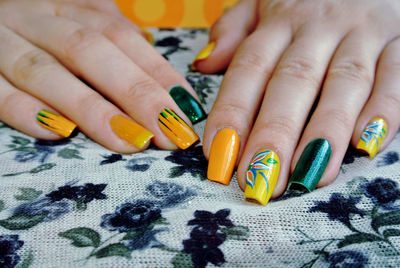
[(73, 203), (174, 13)]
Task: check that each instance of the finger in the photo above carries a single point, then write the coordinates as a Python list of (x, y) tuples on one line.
[(105, 6), (348, 84), (18, 110), (122, 81), (288, 99), (245, 80), (37, 73), (225, 37), (379, 121), (123, 36)]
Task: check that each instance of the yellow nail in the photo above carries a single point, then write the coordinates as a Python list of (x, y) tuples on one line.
[(55, 123), (204, 53), (176, 129), (223, 154), (373, 136), (148, 35), (130, 131), (261, 177)]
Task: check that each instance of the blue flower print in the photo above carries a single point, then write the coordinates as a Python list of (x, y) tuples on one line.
[(146, 240), (40, 151), (189, 161), (112, 158), (9, 245), (169, 194), (203, 247), (85, 193), (387, 159), (136, 216), (139, 164), (211, 221), (52, 209), (347, 259), (383, 192), (338, 208)]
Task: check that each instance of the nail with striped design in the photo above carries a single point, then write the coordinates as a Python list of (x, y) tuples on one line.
[(176, 129), (55, 123)]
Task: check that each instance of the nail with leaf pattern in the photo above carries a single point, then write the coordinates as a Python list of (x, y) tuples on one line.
[(55, 123), (176, 129), (373, 136), (262, 176)]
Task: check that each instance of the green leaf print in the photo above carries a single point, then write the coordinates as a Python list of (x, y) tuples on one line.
[(82, 237), (20, 140), (358, 239), (236, 232), (67, 153), (391, 232), (117, 249), (22, 222), (386, 219), (1, 205), (182, 259), (27, 194)]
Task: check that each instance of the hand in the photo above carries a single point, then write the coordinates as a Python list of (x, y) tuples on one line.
[(82, 60), (284, 56)]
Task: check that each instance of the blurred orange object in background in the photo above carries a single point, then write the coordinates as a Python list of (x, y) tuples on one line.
[(174, 13)]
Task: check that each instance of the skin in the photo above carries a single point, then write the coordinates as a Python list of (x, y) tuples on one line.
[(47, 47), (280, 54), (284, 56)]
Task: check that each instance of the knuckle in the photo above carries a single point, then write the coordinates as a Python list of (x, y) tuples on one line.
[(340, 120), (142, 91), (351, 69), (33, 66), (81, 40), (224, 112), (390, 100), (301, 68), (252, 61), (118, 31), (283, 126)]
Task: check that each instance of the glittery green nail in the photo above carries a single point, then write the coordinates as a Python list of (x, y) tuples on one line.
[(311, 165), (188, 104)]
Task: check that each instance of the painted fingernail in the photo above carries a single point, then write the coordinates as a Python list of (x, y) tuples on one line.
[(176, 129), (188, 104), (261, 177), (55, 123), (204, 53), (373, 136), (223, 154), (148, 35), (130, 131), (311, 165)]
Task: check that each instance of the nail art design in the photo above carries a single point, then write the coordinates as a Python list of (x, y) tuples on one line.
[(176, 129), (311, 165), (188, 104), (373, 136), (223, 154), (130, 131), (204, 53), (148, 35), (262, 176), (55, 123)]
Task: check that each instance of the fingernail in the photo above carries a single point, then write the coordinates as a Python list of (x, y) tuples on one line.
[(223, 154), (55, 123), (130, 131), (311, 165), (372, 137), (204, 53), (176, 129), (148, 35), (261, 177), (188, 104)]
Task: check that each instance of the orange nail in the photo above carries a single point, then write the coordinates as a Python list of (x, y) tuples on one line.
[(176, 129), (130, 131), (55, 123), (223, 155), (148, 35)]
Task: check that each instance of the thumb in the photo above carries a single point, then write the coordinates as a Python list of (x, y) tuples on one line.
[(225, 37)]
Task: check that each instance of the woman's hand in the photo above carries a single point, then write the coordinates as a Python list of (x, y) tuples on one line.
[(305, 78), (82, 60)]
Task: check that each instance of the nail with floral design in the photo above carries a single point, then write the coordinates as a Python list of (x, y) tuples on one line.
[(176, 129), (262, 176), (373, 136), (204, 53), (55, 123)]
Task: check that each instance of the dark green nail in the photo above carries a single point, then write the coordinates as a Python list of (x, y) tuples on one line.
[(188, 104), (311, 165)]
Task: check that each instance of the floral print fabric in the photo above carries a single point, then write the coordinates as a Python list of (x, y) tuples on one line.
[(73, 203)]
